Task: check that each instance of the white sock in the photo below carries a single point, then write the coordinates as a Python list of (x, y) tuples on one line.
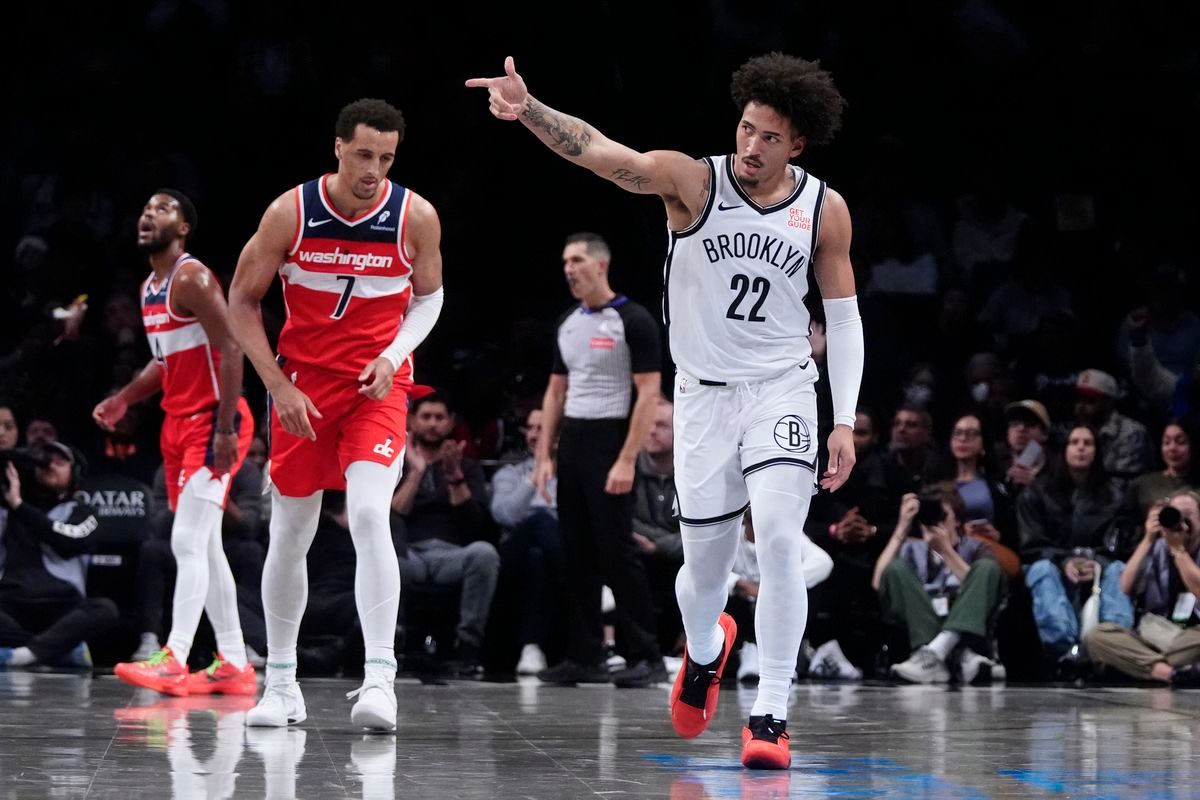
[(943, 643), (285, 577), (221, 603), (281, 665), (369, 488), (700, 586), (779, 498), (195, 521)]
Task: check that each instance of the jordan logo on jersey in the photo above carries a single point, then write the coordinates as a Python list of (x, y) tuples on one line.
[(754, 247)]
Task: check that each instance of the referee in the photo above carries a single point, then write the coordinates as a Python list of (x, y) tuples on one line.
[(607, 347)]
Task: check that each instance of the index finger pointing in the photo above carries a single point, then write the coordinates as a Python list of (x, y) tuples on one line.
[(479, 83)]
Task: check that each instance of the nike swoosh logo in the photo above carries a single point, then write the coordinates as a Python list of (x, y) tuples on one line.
[(312, 223), (723, 207)]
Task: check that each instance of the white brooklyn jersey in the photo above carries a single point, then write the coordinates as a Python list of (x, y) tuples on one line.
[(736, 280)]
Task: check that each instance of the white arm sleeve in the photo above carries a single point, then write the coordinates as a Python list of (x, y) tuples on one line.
[(844, 356), (423, 312)]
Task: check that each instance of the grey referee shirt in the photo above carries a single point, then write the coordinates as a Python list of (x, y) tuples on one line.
[(599, 350)]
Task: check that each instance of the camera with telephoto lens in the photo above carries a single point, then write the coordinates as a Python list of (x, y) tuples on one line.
[(1171, 519), (24, 459)]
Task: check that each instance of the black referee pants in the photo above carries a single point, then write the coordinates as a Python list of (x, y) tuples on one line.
[(597, 530)]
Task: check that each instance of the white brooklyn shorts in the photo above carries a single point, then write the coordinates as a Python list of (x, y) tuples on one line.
[(724, 433)]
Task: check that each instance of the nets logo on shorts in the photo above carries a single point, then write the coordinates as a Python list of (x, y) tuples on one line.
[(792, 434)]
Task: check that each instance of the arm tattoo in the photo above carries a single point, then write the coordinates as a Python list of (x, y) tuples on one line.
[(570, 135), (638, 182)]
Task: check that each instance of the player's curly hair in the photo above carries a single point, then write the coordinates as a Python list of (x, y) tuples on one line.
[(799, 90), (378, 114)]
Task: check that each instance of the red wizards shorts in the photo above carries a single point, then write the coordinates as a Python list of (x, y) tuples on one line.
[(352, 427), (187, 449)]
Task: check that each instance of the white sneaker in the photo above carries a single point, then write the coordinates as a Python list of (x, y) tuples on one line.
[(748, 665), (612, 659), (830, 662), (281, 705), (923, 666), (973, 665), (148, 646), (533, 660), (376, 706)]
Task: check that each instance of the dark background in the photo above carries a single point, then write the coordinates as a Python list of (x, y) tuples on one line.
[(1046, 105)]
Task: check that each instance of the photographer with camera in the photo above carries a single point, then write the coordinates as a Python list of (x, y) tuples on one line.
[(944, 587), (45, 535), (1162, 578)]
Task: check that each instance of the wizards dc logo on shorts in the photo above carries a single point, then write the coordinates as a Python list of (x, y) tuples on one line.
[(792, 434)]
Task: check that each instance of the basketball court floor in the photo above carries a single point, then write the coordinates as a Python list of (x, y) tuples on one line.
[(66, 736)]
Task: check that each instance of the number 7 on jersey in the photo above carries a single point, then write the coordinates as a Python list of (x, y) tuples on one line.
[(344, 300)]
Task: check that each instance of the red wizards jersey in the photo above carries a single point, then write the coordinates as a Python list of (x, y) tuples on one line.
[(346, 282), (188, 363)]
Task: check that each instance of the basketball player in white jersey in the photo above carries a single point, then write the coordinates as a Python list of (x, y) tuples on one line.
[(744, 231)]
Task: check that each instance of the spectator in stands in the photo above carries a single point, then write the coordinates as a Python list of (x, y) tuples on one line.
[(1179, 471), (1163, 579), (989, 389), (1167, 389), (45, 535), (987, 508), (942, 586), (442, 498), (1067, 519), (655, 526), (40, 431), (1124, 441), (911, 450), (1023, 454), (1164, 326), (531, 556), (10, 433)]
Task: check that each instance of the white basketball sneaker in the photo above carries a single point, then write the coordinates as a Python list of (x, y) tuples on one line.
[(281, 705), (376, 706)]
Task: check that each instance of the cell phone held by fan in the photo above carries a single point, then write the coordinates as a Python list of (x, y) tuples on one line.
[(1030, 455)]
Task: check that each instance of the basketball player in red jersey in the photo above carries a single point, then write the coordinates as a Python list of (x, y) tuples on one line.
[(361, 268), (208, 429)]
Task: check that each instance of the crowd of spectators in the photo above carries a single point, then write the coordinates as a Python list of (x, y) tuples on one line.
[(1032, 377)]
